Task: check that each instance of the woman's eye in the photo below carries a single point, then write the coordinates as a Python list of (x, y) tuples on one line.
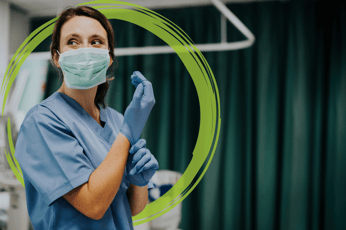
[(72, 42), (96, 42)]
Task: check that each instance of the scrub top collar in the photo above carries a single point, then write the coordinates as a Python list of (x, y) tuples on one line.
[(105, 132)]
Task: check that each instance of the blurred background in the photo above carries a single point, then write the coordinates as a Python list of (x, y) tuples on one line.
[(280, 162)]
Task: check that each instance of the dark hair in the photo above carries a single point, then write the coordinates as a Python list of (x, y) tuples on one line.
[(87, 11)]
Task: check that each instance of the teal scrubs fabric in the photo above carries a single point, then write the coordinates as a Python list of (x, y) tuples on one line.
[(58, 146)]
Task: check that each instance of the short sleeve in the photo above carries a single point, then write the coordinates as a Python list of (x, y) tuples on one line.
[(50, 156)]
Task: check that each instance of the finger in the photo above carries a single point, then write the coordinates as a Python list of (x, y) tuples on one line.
[(148, 90), (138, 93), (135, 81), (139, 144), (137, 78), (150, 165), (140, 164), (138, 156), (153, 164)]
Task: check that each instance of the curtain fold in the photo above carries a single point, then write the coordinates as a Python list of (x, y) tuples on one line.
[(280, 159)]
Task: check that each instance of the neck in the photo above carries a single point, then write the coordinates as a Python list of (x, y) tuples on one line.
[(84, 97)]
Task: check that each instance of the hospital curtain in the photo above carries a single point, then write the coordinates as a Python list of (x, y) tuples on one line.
[(280, 159)]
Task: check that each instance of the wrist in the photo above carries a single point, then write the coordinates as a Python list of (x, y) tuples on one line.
[(137, 187), (135, 181), (124, 138)]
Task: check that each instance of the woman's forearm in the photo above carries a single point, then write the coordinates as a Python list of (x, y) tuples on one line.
[(138, 198), (94, 197)]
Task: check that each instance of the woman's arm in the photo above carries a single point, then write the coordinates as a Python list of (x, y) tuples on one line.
[(138, 198), (95, 196)]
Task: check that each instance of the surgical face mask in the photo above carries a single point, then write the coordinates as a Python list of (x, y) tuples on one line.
[(84, 68)]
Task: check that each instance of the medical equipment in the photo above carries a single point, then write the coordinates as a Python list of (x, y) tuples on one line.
[(84, 68), (222, 46), (163, 181), (139, 109), (141, 164)]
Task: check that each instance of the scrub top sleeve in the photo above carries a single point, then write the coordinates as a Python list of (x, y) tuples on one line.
[(50, 156)]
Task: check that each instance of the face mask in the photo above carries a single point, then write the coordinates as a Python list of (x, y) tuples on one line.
[(84, 68)]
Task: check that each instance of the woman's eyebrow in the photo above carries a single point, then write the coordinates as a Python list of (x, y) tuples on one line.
[(92, 36), (97, 36), (72, 35)]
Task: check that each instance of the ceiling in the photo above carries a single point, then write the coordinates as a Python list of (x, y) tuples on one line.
[(47, 8)]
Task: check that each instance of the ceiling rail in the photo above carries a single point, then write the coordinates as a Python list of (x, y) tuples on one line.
[(222, 46)]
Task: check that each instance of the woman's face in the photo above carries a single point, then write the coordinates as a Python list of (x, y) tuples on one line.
[(82, 32)]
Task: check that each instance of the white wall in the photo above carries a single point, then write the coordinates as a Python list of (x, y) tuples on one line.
[(4, 35), (14, 29), (19, 27), (5, 39)]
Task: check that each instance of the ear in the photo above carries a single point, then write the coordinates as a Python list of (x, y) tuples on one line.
[(56, 58), (111, 62)]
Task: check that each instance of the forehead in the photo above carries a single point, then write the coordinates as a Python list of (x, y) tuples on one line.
[(84, 26)]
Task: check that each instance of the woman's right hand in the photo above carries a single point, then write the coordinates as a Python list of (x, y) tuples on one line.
[(141, 164), (138, 111)]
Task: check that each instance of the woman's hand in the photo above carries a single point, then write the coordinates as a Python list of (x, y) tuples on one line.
[(141, 164), (139, 109)]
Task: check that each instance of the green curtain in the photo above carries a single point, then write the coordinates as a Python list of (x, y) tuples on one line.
[(280, 160)]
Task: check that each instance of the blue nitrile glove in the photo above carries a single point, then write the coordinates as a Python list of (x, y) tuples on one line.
[(139, 109), (141, 164)]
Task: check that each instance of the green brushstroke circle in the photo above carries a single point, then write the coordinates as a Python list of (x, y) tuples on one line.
[(196, 65)]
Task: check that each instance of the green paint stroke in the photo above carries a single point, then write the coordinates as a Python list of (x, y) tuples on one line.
[(11, 145), (196, 65), (15, 168), (22, 56), (19, 53)]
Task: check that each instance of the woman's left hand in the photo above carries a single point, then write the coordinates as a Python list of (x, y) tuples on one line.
[(141, 164)]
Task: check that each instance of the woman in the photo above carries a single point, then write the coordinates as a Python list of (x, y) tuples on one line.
[(83, 163)]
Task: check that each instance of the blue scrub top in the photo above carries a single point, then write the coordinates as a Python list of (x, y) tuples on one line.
[(58, 146)]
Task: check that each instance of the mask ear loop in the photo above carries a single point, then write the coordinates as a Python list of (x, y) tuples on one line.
[(58, 53), (112, 78)]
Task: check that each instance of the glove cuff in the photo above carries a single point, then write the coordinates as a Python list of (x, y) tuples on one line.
[(150, 185), (126, 131)]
